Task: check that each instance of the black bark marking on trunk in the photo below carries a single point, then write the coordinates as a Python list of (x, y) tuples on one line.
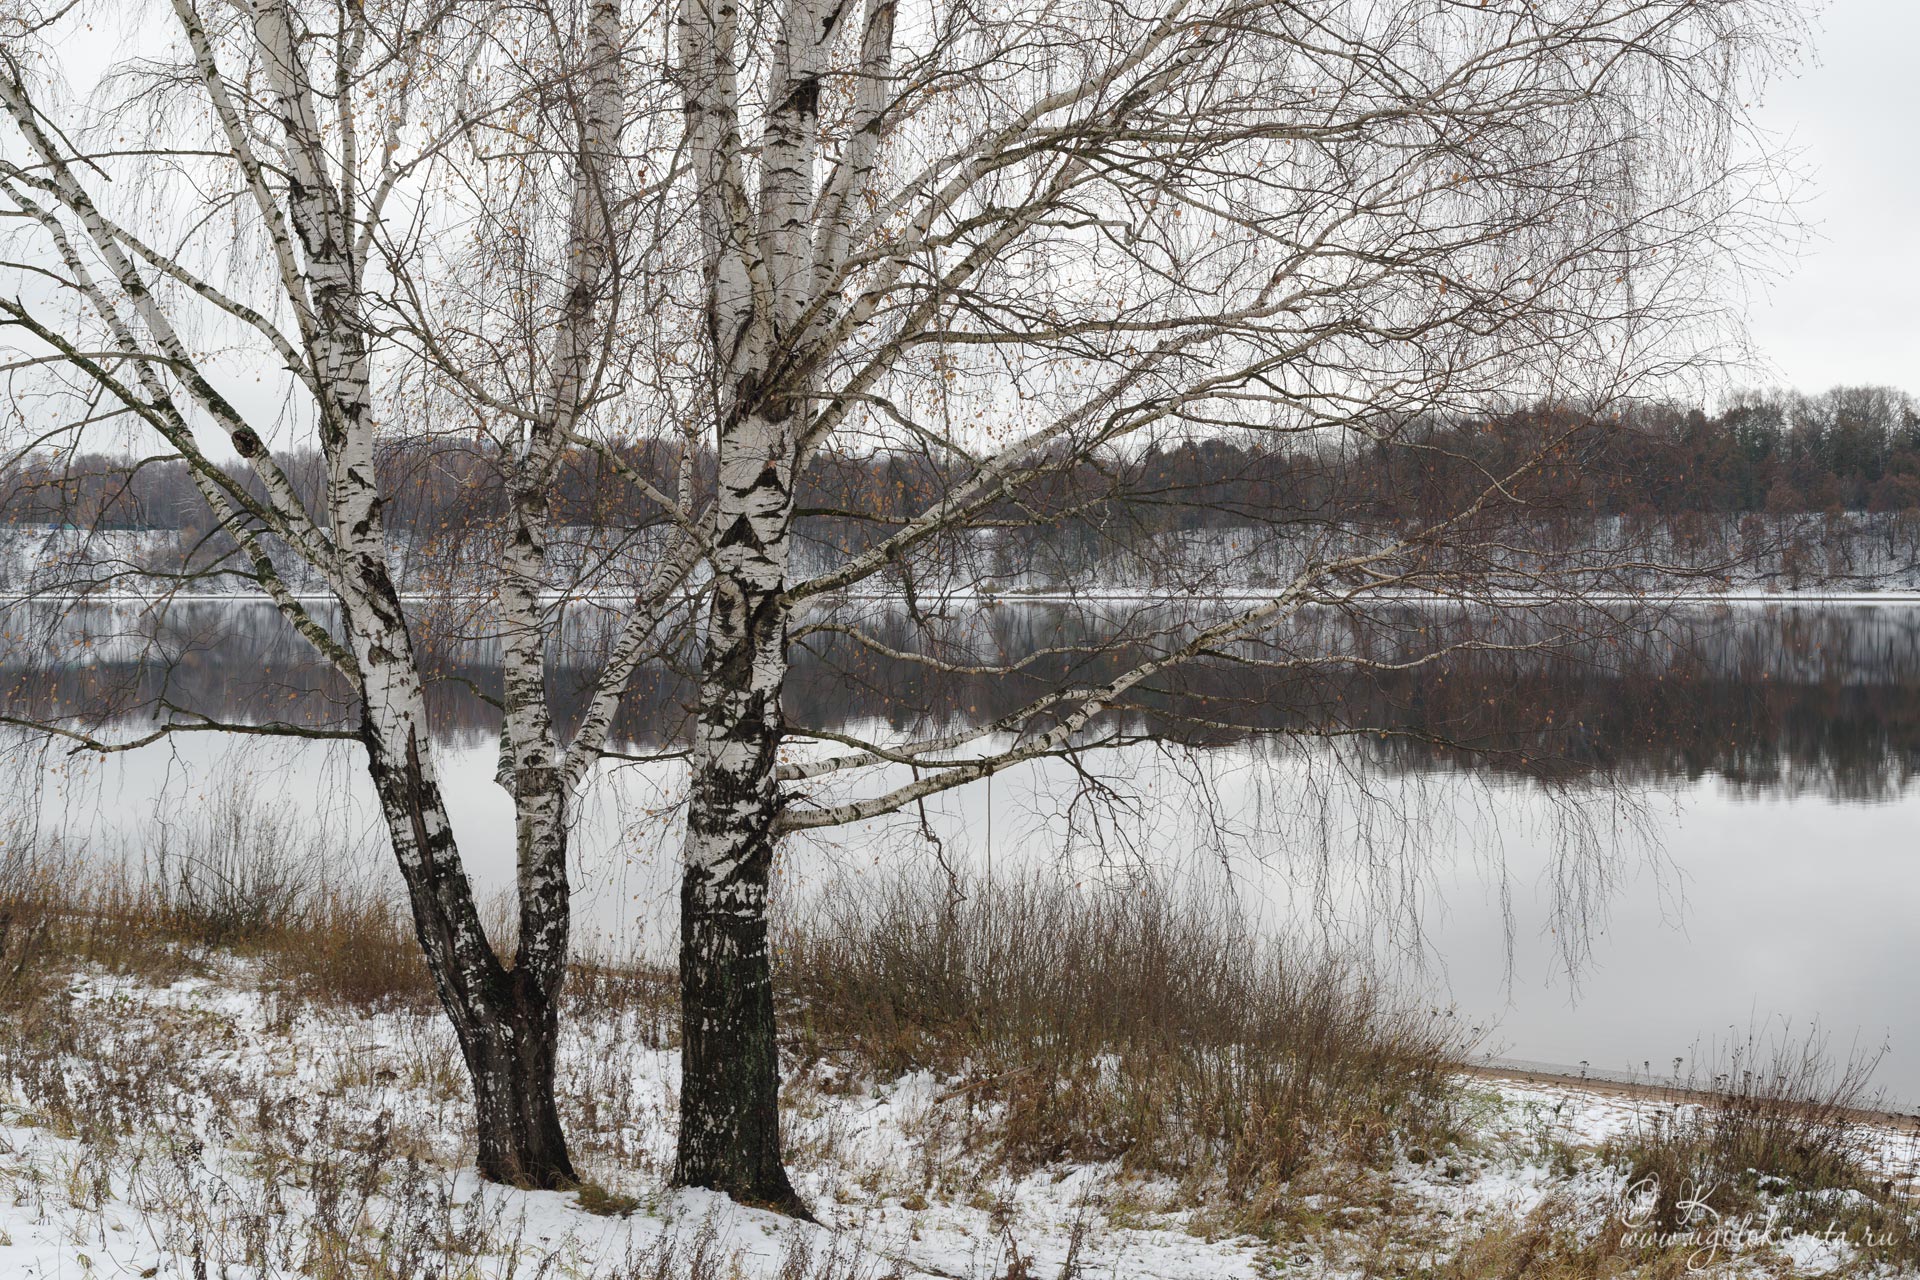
[(804, 98), (416, 801)]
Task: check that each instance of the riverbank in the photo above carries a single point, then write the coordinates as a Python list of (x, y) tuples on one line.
[(227, 1130), (1095, 595), (187, 1090), (1648, 1090)]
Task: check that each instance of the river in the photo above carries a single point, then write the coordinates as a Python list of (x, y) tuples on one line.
[(1617, 853)]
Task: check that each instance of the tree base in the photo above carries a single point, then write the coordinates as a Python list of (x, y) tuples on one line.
[(521, 1143), (781, 1199), (526, 1174)]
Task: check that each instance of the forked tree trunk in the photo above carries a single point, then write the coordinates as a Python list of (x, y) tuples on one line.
[(505, 1019), (511, 1058), (730, 1079)]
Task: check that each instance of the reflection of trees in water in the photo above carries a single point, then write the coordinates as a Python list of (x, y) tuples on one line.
[(1852, 741), (1818, 700)]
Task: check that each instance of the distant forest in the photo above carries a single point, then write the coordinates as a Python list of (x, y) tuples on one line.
[(1849, 449)]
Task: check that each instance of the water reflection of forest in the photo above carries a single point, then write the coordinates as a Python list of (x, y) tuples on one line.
[(1818, 700)]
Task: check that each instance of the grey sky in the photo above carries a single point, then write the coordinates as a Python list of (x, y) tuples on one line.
[(1849, 310)]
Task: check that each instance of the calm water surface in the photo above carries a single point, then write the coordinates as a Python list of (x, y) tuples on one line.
[(1618, 855)]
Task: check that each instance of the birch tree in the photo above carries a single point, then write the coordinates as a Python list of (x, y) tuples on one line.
[(1029, 239), (406, 210), (1021, 244)]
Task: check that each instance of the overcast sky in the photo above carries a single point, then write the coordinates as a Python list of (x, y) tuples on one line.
[(1849, 309)]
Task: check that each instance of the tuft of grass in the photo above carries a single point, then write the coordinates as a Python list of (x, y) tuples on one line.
[(60, 911), (596, 1199), (352, 946), (1557, 1242), (1128, 1025)]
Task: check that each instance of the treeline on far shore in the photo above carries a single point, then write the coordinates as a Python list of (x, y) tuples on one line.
[(1777, 453)]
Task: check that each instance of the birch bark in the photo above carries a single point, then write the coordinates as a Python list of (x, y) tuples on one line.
[(759, 275), (729, 1115)]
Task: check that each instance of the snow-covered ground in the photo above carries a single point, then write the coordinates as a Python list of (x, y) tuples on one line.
[(213, 1125)]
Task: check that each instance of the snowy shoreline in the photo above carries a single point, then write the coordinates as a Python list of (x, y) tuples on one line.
[(898, 1191)]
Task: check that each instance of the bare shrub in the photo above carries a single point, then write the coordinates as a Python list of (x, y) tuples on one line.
[(237, 870), (1109, 1024)]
